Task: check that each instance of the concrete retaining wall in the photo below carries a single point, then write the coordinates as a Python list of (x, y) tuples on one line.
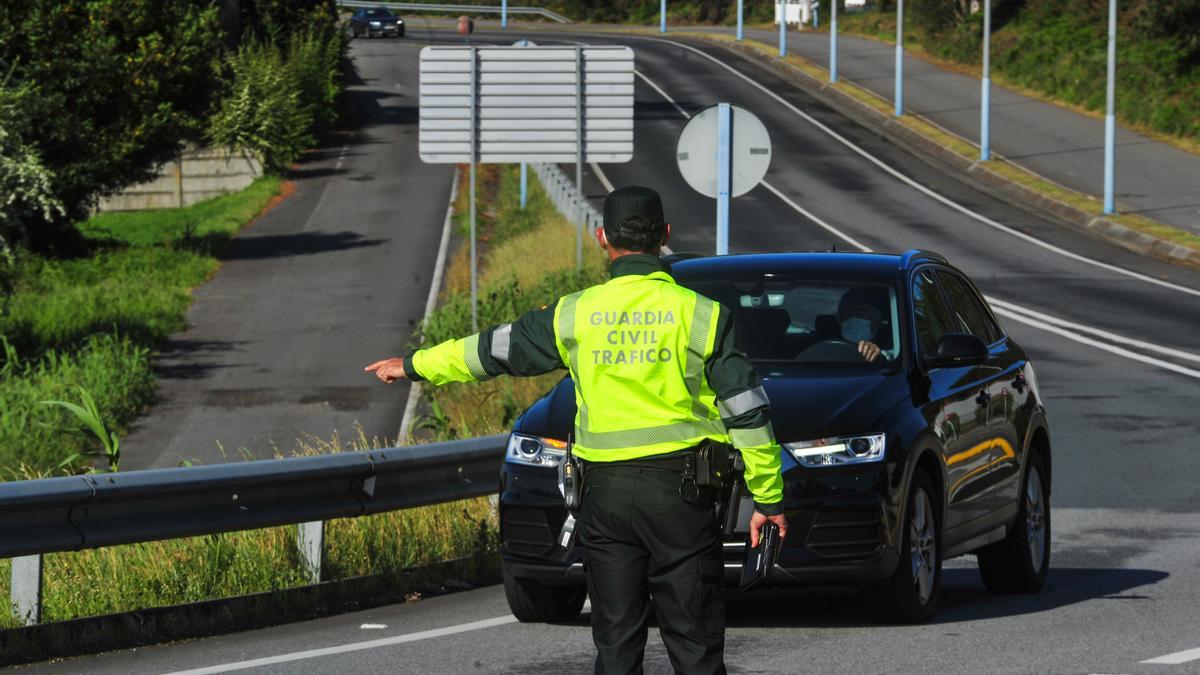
[(198, 174)]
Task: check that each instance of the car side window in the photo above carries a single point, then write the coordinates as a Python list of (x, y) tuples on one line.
[(968, 308), (932, 318)]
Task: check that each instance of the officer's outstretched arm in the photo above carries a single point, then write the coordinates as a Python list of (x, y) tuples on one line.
[(745, 411), (523, 347)]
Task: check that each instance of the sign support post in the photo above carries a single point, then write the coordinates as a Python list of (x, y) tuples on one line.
[(1110, 117), (724, 156), (524, 183), (474, 117), (782, 28), (662, 16), (579, 140), (985, 105), (899, 93), (739, 14), (833, 40), (503, 13)]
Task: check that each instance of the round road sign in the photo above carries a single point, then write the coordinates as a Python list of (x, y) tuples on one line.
[(750, 151)]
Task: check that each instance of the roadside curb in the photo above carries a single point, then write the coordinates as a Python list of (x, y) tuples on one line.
[(972, 171), (222, 616)]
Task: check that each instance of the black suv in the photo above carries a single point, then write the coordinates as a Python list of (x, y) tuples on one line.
[(927, 443), (373, 22)]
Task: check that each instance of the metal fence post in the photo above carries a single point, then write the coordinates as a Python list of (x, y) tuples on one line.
[(26, 589), (310, 541)]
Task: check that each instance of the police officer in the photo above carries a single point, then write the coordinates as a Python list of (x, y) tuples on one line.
[(656, 374)]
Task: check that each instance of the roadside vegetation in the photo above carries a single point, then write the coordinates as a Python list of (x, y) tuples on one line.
[(94, 96)]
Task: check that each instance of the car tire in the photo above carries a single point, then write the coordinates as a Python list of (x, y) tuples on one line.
[(1019, 562), (912, 593), (531, 601)]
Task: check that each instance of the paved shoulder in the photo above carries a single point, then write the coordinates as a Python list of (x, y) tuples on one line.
[(333, 278)]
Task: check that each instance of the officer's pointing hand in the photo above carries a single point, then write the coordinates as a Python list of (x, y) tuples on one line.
[(388, 370), (759, 519)]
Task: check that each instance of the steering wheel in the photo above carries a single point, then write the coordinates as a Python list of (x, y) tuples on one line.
[(831, 349)]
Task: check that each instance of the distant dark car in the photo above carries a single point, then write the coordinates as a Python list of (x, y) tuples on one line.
[(376, 22), (937, 448)]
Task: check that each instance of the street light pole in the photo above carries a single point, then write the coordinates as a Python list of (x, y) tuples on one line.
[(899, 94), (739, 12), (662, 16), (985, 106), (1110, 119), (504, 13)]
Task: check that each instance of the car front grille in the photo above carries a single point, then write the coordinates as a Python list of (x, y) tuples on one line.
[(530, 531), (846, 533)]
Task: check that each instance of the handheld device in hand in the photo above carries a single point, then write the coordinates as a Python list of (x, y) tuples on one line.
[(759, 561)]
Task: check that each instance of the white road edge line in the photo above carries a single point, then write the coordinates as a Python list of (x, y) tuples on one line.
[(1119, 351), (352, 647), (1176, 658), (439, 270), (1013, 311), (1062, 323), (917, 186)]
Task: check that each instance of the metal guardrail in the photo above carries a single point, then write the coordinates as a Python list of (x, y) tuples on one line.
[(80, 512), (432, 7), (569, 201)]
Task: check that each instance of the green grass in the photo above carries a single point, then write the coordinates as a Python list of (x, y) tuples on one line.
[(95, 320)]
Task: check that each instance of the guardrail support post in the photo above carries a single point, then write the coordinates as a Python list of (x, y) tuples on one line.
[(310, 541), (26, 589)]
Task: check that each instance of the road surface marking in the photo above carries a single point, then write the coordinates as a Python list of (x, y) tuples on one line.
[(1176, 658), (1119, 351), (921, 188), (352, 647), (1013, 311), (439, 270), (1113, 337)]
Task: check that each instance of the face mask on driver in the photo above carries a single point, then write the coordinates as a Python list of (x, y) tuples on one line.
[(856, 329)]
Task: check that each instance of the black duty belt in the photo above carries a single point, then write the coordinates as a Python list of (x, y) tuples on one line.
[(681, 462)]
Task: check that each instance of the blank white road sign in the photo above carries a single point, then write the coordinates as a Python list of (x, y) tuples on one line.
[(750, 151), (523, 104)]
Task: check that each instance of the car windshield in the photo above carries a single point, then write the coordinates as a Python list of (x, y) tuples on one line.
[(810, 321), (379, 14)]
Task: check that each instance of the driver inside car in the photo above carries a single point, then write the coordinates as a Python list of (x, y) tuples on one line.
[(859, 317)]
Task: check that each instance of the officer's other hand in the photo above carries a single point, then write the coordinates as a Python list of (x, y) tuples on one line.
[(868, 349), (759, 519), (388, 370)]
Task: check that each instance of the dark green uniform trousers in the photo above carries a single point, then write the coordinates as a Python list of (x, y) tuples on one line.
[(642, 541)]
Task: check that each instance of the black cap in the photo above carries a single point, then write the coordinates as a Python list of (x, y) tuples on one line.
[(633, 200)]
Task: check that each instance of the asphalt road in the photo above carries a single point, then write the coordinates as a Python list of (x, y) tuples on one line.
[(332, 279), (1112, 337)]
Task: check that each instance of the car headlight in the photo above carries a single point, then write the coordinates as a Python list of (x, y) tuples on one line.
[(838, 451), (535, 451), (376, 23)]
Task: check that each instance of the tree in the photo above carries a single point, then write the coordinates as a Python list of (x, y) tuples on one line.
[(114, 87)]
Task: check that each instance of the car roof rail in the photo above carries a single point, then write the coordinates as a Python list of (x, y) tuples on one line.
[(912, 255)]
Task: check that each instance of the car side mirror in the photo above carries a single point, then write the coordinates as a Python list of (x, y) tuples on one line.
[(955, 350)]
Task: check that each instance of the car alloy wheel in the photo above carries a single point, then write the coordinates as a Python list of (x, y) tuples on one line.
[(1018, 563), (922, 545)]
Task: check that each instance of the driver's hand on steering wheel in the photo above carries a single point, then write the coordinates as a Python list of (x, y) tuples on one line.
[(868, 349)]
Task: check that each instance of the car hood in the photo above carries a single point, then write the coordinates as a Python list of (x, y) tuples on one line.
[(806, 402)]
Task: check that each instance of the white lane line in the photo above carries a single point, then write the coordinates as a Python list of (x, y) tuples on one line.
[(1013, 311), (1121, 339), (1076, 337), (803, 211), (608, 186), (352, 647), (1176, 658), (439, 270), (921, 188)]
